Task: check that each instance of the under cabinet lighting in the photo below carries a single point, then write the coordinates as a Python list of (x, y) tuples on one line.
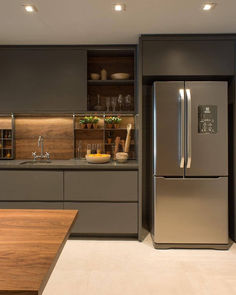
[(208, 6), (119, 7), (30, 8)]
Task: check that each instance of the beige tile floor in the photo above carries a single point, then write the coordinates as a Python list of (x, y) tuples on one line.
[(108, 267)]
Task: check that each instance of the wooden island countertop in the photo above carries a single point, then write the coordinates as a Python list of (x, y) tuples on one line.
[(30, 244)]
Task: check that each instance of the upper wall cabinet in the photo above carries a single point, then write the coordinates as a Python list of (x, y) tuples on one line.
[(188, 58), (43, 79)]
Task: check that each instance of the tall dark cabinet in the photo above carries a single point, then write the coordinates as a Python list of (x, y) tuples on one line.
[(209, 57)]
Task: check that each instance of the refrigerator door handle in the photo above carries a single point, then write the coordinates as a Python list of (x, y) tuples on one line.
[(189, 129), (181, 162)]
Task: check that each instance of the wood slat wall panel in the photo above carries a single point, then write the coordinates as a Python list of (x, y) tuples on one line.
[(57, 133), (5, 122)]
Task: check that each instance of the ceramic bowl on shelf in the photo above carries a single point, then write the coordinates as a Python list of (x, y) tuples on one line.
[(121, 157), (98, 158), (95, 76), (120, 76)]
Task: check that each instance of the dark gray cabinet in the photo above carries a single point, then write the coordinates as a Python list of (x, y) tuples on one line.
[(188, 57), (43, 79), (100, 186), (31, 205), (31, 185), (105, 218)]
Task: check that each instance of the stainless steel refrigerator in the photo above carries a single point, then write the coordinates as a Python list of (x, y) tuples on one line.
[(190, 164)]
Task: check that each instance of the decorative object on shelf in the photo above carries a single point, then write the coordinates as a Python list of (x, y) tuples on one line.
[(103, 74), (120, 101), (89, 121), (109, 138), (94, 76), (120, 76), (95, 122), (116, 122), (109, 122), (121, 157), (8, 156), (108, 103), (83, 123), (98, 158), (128, 138), (113, 103), (128, 100), (99, 107)]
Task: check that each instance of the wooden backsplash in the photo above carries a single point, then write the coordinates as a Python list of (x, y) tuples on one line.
[(57, 133)]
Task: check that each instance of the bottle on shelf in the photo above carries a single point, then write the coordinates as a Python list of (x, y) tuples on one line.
[(88, 149), (99, 148), (94, 149), (80, 146), (103, 74)]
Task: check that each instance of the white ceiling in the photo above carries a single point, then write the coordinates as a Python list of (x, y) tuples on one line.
[(94, 22)]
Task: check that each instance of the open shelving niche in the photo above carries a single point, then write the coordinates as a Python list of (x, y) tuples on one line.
[(101, 134), (7, 137), (113, 61)]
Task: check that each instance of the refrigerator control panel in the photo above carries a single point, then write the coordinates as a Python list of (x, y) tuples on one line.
[(207, 119)]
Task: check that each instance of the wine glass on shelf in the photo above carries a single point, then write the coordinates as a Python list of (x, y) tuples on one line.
[(128, 100), (120, 101), (113, 103), (108, 103)]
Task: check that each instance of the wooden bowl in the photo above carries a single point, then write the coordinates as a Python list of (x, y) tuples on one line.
[(95, 76), (120, 76), (98, 158)]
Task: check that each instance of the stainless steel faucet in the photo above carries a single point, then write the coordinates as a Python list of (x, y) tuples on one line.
[(42, 156)]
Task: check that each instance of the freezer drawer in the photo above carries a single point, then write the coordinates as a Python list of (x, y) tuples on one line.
[(191, 211)]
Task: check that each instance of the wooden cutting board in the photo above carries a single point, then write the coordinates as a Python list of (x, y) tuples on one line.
[(30, 244)]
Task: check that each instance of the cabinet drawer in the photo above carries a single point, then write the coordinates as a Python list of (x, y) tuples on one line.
[(174, 58), (31, 186), (100, 185), (31, 205), (105, 218)]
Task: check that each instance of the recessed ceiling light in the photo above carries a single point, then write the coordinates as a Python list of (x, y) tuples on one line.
[(208, 6), (30, 8), (119, 7)]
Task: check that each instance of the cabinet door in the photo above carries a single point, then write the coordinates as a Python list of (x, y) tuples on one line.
[(31, 186), (105, 218), (43, 79), (183, 58), (100, 185), (31, 205)]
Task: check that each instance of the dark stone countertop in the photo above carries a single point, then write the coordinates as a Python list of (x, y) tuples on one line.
[(67, 165)]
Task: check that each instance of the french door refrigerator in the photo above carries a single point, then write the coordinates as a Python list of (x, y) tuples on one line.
[(190, 165)]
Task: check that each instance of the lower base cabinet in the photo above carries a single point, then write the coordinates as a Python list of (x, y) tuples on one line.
[(31, 205), (96, 218)]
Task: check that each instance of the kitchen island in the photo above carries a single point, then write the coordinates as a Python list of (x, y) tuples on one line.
[(30, 244)]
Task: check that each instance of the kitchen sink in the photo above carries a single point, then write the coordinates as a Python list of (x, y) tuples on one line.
[(37, 162)]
